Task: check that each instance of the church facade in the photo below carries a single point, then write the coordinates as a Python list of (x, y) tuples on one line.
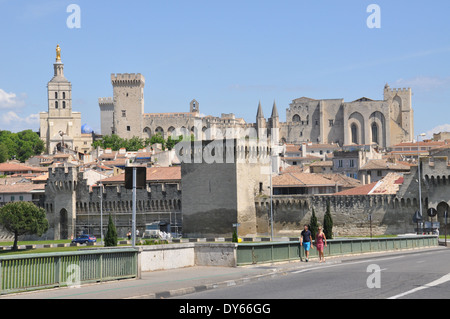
[(383, 122)]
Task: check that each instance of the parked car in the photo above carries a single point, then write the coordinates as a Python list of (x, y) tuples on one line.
[(84, 239)]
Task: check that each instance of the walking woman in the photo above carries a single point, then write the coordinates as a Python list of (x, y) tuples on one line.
[(321, 240)]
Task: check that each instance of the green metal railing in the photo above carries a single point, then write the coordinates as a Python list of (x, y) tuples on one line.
[(266, 252), (47, 270)]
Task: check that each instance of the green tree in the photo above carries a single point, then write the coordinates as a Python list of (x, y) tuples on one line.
[(158, 138), (313, 225), (3, 153), (111, 234), (21, 145), (23, 218), (235, 238), (328, 223), (134, 144), (112, 141), (170, 143)]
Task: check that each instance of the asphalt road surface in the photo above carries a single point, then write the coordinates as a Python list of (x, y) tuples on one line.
[(418, 275)]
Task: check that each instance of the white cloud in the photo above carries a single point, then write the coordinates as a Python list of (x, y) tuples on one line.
[(12, 121), (10, 100), (438, 129)]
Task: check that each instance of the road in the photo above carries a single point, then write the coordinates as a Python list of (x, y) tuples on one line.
[(421, 275)]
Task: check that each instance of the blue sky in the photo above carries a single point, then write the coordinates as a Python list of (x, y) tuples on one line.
[(229, 55)]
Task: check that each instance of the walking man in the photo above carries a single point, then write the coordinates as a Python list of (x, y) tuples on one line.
[(306, 240)]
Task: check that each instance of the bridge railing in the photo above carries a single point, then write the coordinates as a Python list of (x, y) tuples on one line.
[(24, 272), (267, 252)]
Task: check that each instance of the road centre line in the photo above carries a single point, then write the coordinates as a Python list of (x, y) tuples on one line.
[(437, 282)]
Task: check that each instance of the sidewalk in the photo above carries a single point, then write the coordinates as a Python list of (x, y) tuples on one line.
[(178, 282), (169, 283)]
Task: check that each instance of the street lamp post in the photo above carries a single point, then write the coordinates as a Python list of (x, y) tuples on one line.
[(101, 212), (271, 200), (419, 177)]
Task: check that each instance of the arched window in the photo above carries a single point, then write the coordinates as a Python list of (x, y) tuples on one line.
[(159, 130), (56, 104), (64, 104), (374, 133), (296, 118), (56, 95), (64, 95), (354, 130)]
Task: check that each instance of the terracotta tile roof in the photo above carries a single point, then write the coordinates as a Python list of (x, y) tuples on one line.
[(361, 190), (343, 180), (388, 185), (307, 157), (430, 143), (164, 173), (154, 174), (20, 188), (301, 179), (42, 177), (117, 162), (143, 155), (293, 148), (11, 167), (317, 145), (292, 169), (322, 164), (384, 164)]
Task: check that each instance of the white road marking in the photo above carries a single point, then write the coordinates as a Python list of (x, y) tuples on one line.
[(437, 282)]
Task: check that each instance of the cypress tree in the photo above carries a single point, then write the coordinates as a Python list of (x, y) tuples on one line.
[(328, 223), (313, 225), (111, 234)]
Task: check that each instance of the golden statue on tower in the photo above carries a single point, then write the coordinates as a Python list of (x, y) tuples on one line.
[(58, 53)]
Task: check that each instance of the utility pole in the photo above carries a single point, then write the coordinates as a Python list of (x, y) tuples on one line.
[(101, 212), (271, 201), (419, 178), (133, 214)]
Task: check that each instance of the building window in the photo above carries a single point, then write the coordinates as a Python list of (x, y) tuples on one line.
[(352, 163), (296, 118), (56, 95), (56, 104), (64, 95), (124, 113), (330, 123), (375, 133), (21, 198), (294, 163), (260, 184), (379, 173), (12, 198), (354, 130), (128, 128), (64, 104), (339, 163)]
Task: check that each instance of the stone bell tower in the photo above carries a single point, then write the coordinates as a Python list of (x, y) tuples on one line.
[(60, 127)]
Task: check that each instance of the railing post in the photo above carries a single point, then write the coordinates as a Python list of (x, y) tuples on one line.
[(101, 268), (58, 270), (138, 263)]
